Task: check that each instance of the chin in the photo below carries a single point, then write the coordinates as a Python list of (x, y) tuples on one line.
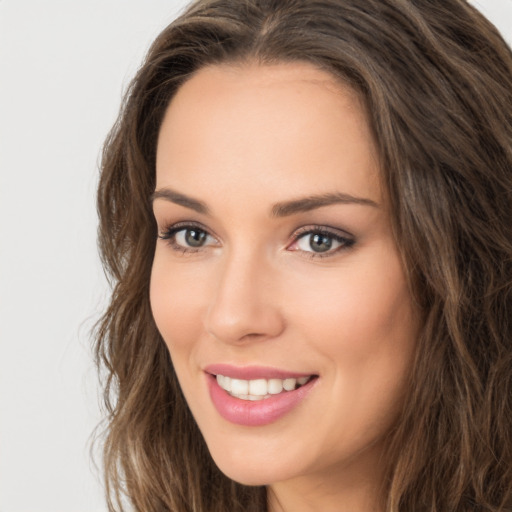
[(250, 476), (244, 469)]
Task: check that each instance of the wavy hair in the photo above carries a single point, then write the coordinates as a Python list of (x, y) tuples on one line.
[(436, 80)]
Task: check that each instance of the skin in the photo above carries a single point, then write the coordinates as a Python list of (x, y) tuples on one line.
[(241, 139)]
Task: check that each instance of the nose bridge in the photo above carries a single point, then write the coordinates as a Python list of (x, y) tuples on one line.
[(244, 303)]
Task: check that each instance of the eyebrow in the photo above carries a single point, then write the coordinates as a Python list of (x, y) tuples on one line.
[(181, 199), (281, 209), (306, 204)]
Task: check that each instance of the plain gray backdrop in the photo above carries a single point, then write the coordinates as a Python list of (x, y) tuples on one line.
[(63, 67)]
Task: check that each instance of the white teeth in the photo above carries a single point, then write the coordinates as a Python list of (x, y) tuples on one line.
[(224, 382), (252, 398), (289, 384), (275, 386), (258, 389), (239, 387)]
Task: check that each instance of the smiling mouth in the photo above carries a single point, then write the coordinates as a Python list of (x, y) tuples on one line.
[(260, 389)]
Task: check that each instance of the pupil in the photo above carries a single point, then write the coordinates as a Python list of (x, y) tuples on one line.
[(195, 238), (320, 243)]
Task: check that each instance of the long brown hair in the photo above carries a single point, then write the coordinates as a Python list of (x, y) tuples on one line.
[(436, 78)]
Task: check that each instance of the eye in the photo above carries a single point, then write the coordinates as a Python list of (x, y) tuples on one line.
[(187, 238), (190, 237), (320, 242)]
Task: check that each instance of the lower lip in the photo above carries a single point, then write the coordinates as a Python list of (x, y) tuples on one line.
[(257, 413)]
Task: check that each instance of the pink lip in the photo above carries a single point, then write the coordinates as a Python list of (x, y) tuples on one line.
[(257, 413), (252, 372)]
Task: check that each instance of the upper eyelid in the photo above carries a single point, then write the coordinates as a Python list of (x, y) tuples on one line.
[(335, 234), (318, 228), (298, 231), (178, 226)]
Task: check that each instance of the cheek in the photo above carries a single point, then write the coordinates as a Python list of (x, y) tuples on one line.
[(359, 309), (363, 324), (364, 332), (174, 297)]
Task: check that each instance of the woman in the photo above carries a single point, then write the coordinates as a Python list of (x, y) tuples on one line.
[(305, 209)]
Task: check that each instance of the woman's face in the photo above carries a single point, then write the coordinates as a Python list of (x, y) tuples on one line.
[(276, 275)]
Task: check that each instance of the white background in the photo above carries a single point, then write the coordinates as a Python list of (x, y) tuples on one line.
[(63, 67)]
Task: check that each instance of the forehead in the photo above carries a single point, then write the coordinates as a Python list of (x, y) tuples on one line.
[(287, 126)]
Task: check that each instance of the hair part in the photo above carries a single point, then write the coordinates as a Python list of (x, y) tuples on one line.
[(436, 80)]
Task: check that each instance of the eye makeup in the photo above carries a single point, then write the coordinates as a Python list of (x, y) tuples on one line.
[(314, 241)]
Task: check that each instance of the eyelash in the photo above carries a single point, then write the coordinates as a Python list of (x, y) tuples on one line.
[(346, 241), (169, 235)]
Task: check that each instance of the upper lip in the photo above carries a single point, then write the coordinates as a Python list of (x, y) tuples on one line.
[(252, 372)]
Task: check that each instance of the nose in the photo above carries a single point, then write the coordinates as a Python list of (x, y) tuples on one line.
[(245, 304)]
